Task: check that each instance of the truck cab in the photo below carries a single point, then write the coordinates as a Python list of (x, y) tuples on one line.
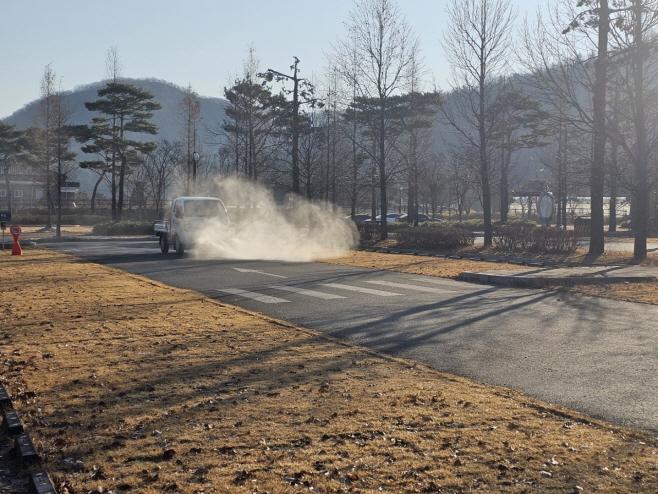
[(191, 218)]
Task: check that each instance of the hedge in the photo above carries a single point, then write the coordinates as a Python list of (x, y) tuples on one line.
[(123, 228), (40, 219), (526, 238), (433, 238), (369, 232)]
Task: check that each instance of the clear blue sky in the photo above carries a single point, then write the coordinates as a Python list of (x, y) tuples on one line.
[(198, 42)]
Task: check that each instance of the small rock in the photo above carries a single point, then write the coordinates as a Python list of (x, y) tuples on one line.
[(545, 474)]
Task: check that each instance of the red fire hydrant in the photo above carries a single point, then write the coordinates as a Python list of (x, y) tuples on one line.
[(16, 231)]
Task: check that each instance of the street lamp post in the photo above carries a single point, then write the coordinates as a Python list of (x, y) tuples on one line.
[(195, 159), (269, 76)]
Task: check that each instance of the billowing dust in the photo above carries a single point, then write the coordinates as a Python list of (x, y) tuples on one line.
[(291, 229)]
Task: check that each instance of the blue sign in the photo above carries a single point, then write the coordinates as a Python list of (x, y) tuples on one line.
[(5, 215)]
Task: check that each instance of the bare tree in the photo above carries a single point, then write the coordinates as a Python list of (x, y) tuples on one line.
[(386, 46), (461, 179), (434, 182), (477, 45), (113, 71), (45, 121), (634, 124), (159, 171), (247, 133), (113, 64), (189, 111), (62, 155), (554, 54), (356, 176)]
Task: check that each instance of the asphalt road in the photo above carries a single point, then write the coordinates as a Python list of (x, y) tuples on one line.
[(594, 355)]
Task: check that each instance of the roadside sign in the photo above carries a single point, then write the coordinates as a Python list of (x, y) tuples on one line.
[(5, 216), (545, 206), (15, 230)]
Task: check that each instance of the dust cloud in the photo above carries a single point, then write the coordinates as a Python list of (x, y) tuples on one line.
[(292, 230)]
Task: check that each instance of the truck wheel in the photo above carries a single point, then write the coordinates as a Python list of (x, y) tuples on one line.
[(164, 243), (178, 246)]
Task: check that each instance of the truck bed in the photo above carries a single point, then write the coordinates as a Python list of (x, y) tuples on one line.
[(161, 226)]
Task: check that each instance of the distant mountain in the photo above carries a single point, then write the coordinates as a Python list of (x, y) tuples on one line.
[(167, 119)]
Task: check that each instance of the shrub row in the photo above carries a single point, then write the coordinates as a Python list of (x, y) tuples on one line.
[(40, 219), (369, 232), (526, 238), (433, 238), (123, 228)]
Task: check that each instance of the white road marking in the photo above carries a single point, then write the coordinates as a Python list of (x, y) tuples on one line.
[(266, 299), (242, 270), (429, 279), (309, 293), (361, 290), (410, 287)]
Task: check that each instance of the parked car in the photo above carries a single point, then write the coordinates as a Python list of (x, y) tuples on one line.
[(390, 218), (358, 218), (421, 217)]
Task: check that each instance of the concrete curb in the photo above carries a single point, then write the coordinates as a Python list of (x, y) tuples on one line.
[(55, 240), (520, 280), (543, 281)]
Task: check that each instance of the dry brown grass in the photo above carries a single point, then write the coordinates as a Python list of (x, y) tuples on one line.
[(132, 385), (406, 263)]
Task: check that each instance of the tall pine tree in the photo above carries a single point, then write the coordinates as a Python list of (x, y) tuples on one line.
[(124, 110)]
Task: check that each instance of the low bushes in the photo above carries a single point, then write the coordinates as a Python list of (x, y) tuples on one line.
[(522, 222), (40, 219), (369, 232), (123, 228), (527, 238), (431, 238), (472, 225)]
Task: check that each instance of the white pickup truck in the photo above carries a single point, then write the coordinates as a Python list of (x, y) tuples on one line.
[(190, 218)]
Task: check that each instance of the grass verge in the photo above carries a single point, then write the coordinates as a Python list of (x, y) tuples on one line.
[(133, 386)]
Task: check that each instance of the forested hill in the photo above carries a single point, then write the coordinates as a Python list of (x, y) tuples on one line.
[(167, 119)]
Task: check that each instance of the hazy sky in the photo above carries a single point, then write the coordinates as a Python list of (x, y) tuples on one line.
[(198, 42)]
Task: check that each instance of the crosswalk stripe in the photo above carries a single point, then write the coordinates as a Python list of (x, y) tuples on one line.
[(429, 279), (266, 299), (309, 293), (409, 287), (361, 290)]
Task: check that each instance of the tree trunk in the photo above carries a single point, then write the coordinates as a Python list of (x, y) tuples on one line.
[(597, 175), (114, 187), (504, 188), (373, 195), (295, 134), (641, 172), (93, 194), (122, 176), (382, 170), (612, 217), (484, 163), (8, 183)]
